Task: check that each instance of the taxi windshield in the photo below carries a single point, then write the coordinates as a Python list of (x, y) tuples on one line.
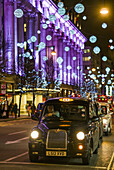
[(64, 112)]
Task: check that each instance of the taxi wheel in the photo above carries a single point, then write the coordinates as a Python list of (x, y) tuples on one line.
[(86, 159), (106, 133), (33, 158)]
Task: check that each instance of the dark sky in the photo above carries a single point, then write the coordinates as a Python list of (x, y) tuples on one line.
[(92, 26)]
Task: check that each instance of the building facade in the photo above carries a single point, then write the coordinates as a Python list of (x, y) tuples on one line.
[(29, 31)]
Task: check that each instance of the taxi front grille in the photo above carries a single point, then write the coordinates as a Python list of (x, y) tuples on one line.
[(56, 139)]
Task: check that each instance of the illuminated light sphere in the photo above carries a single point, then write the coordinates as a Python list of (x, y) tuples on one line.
[(38, 31), (18, 13), (27, 54), (79, 8), (107, 69), (59, 60), (110, 41), (97, 67), (21, 45), (111, 47), (33, 39), (69, 67), (48, 37), (47, 22), (104, 58), (96, 50), (42, 45), (104, 11), (66, 17), (31, 50), (60, 66), (104, 25), (112, 75), (29, 41), (45, 58), (44, 26), (72, 32), (19, 55), (78, 67), (52, 17), (31, 57), (61, 11), (60, 4), (93, 39), (84, 17), (89, 57), (67, 48), (74, 58), (98, 71), (109, 82), (56, 27)]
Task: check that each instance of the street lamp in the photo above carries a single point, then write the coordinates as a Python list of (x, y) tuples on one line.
[(104, 11)]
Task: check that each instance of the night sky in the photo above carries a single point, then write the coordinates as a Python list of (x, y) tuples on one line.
[(92, 26)]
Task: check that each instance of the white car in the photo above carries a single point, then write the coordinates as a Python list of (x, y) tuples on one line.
[(106, 114)]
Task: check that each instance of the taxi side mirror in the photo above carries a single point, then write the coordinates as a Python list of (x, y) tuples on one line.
[(34, 117)]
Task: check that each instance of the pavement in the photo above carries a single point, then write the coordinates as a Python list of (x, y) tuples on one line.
[(22, 116)]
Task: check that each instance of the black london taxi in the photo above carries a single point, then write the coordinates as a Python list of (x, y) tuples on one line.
[(67, 128)]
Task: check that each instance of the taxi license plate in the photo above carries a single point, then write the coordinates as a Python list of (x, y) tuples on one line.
[(55, 153)]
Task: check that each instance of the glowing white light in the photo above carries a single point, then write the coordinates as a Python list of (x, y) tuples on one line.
[(33, 39), (104, 58), (45, 58), (44, 26), (74, 58), (80, 136), (48, 37), (79, 8), (18, 13), (104, 25), (47, 22), (96, 50), (69, 67), (111, 47), (61, 11), (34, 134), (52, 17), (59, 60), (104, 11), (66, 17), (110, 41), (72, 32), (67, 48), (38, 31), (84, 17), (60, 4), (29, 41), (93, 39)]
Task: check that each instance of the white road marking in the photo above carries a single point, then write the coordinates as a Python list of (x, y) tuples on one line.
[(16, 141), (111, 162), (16, 157), (17, 132)]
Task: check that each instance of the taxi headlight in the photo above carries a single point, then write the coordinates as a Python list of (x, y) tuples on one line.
[(34, 134), (104, 121), (80, 135)]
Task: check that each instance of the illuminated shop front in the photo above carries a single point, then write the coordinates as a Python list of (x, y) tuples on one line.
[(30, 35)]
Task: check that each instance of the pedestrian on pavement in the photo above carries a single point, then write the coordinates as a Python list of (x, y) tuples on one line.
[(15, 110), (29, 110), (33, 109)]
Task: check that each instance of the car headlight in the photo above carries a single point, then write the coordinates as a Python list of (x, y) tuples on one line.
[(34, 134), (80, 135), (104, 121)]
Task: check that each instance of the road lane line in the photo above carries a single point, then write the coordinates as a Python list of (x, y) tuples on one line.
[(16, 141), (111, 162), (16, 157), (17, 132)]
